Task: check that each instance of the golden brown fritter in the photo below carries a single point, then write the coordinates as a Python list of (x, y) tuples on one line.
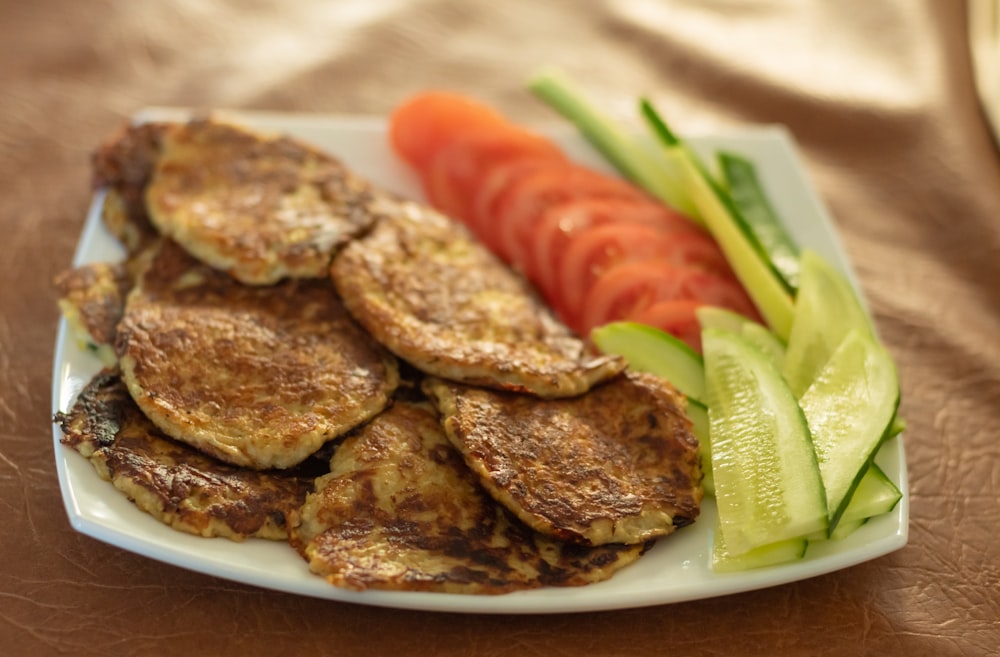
[(258, 206), (617, 465), (440, 300), (92, 298), (399, 510), (176, 484), (256, 376)]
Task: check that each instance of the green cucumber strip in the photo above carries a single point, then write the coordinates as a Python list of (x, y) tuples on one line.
[(698, 414), (826, 309), (874, 496), (727, 320), (767, 480), (765, 287), (849, 409), (642, 165), (724, 561), (843, 530), (648, 349), (750, 199)]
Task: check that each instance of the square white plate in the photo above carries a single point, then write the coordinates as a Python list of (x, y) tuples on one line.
[(676, 569)]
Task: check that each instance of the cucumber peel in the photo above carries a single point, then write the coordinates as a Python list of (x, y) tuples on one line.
[(765, 287), (747, 193)]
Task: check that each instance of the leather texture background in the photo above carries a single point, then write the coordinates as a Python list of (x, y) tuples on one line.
[(878, 95)]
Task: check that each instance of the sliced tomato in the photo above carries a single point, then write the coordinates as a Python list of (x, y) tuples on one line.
[(598, 248), (460, 166), (559, 224), (677, 317), (419, 126), (627, 289), (524, 201), (490, 192)]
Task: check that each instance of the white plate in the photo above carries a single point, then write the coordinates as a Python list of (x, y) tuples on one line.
[(676, 569)]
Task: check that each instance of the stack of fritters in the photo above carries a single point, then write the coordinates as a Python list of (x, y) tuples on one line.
[(273, 297)]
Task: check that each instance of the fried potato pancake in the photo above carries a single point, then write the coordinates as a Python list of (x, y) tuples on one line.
[(256, 376), (399, 510), (425, 288), (173, 482), (617, 465), (92, 299), (261, 207)]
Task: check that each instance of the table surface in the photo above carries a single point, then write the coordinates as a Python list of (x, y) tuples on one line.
[(880, 98)]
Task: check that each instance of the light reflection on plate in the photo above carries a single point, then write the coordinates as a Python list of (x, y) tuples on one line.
[(675, 570)]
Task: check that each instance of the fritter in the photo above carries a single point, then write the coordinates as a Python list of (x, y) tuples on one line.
[(436, 297), (174, 483), (256, 376), (258, 206), (122, 167), (399, 510), (92, 299), (617, 465)]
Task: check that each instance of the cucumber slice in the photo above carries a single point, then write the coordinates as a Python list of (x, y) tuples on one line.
[(750, 199), (648, 349), (757, 334), (645, 166), (723, 561), (826, 309), (767, 480), (874, 496), (849, 409), (766, 288)]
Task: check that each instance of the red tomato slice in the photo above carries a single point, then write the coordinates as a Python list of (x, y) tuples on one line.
[(459, 167), (633, 286), (419, 126), (678, 318), (490, 192), (559, 224), (523, 202), (597, 249)]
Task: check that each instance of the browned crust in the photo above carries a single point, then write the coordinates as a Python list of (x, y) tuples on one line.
[(440, 300), (176, 484), (618, 464), (258, 206), (94, 294), (256, 376), (401, 511)]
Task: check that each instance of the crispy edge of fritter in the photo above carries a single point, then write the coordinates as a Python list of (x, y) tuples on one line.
[(545, 359), (530, 455), (439, 516), (176, 484), (92, 299)]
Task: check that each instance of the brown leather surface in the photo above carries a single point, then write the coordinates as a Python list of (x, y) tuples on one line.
[(878, 95)]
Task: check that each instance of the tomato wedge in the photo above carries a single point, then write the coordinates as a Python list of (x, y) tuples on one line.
[(422, 124), (634, 286), (460, 166), (524, 200)]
